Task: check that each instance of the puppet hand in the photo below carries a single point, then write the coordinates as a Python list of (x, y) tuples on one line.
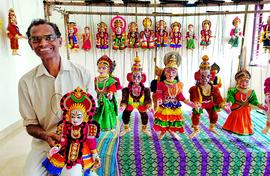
[(54, 150), (265, 108), (227, 108), (110, 95), (159, 102)]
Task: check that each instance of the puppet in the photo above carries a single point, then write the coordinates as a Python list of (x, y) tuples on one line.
[(267, 102), (214, 78), (72, 36), (235, 33), (102, 36), (86, 38), (147, 35), (133, 37), (118, 25), (191, 37), (266, 35), (206, 33), (175, 35), (161, 34)]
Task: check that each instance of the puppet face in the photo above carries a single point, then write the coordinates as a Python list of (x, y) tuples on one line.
[(176, 28), (170, 73), (267, 98), (243, 82), (118, 30), (236, 23), (206, 26), (190, 28), (103, 70), (137, 77), (205, 77), (76, 117), (86, 30)]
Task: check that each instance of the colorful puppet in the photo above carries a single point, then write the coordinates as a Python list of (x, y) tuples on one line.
[(191, 37), (133, 37), (154, 83), (175, 35), (206, 33), (235, 33), (106, 86), (240, 98), (168, 116), (147, 35), (13, 32), (86, 38), (161, 34), (267, 102), (135, 96), (102, 36), (77, 148), (205, 96), (118, 25), (266, 35), (214, 78), (72, 36)]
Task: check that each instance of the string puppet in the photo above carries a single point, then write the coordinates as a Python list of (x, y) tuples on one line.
[(168, 116), (118, 25), (235, 33), (106, 86), (72, 36), (76, 154), (206, 96), (266, 35), (133, 37), (267, 102), (147, 35), (135, 96), (214, 77), (240, 98), (175, 35), (161, 34), (86, 38), (13, 32), (206, 34), (153, 85), (102, 36), (191, 37)]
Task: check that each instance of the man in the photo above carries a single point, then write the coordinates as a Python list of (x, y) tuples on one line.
[(38, 88)]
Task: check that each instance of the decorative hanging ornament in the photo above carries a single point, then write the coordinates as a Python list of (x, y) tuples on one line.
[(118, 25), (86, 39), (102, 36), (161, 34), (147, 35), (266, 35), (133, 39), (191, 37), (206, 33), (235, 33), (175, 35), (72, 35)]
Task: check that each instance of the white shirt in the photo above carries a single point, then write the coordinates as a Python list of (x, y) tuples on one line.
[(40, 94)]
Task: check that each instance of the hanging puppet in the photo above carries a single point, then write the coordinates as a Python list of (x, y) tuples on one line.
[(133, 37), (206, 33), (161, 34), (13, 32), (191, 37), (118, 25), (205, 96), (175, 35), (147, 35), (106, 86), (76, 152), (240, 98), (86, 39), (214, 78), (266, 35), (72, 36), (235, 33), (267, 102), (168, 116), (135, 96), (102, 41)]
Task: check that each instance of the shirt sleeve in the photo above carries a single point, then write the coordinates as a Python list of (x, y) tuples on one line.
[(25, 105)]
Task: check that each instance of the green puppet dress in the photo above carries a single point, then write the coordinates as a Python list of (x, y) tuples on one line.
[(107, 110)]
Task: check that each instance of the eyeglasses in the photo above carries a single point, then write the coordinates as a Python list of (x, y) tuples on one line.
[(38, 39)]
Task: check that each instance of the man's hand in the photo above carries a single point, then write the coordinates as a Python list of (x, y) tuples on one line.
[(52, 138)]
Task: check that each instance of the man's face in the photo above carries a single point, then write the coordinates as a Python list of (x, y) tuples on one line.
[(137, 77), (44, 42), (205, 77), (76, 117)]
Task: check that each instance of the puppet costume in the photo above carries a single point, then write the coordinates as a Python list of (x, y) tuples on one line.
[(133, 37), (214, 78), (118, 25), (206, 33), (175, 35), (191, 37), (147, 35), (72, 35), (78, 139), (86, 38), (106, 84), (235, 33), (161, 34), (154, 83), (207, 96), (239, 120), (13, 32), (267, 102), (135, 96), (266, 35), (102, 36)]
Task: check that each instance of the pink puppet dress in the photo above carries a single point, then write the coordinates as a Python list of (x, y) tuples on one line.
[(175, 35), (86, 38), (77, 147), (102, 36), (161, 34), (147, 35)]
